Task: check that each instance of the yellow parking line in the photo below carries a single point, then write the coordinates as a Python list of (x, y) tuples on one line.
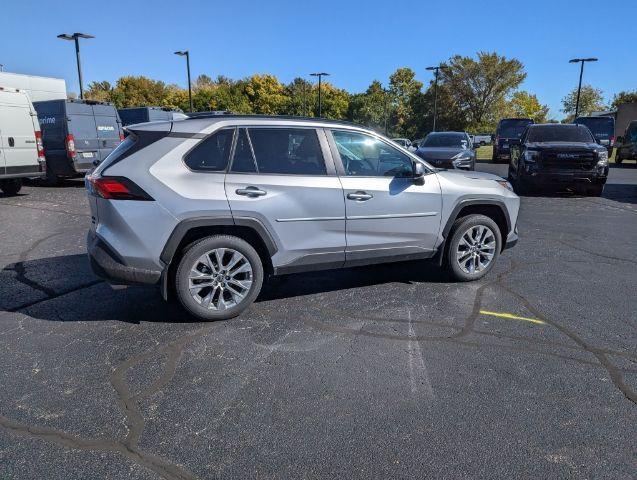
[(510, 316)]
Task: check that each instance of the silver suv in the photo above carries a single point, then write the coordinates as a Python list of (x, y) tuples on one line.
[(205, 208)]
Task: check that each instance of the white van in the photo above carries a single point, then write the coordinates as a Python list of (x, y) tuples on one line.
[(21, 150)]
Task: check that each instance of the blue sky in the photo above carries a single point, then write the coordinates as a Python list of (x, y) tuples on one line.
[(356, 41)]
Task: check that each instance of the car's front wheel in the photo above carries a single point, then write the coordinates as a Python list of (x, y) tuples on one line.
[(474, 246), (218, 277)]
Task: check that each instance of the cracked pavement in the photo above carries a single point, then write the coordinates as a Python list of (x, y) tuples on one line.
[(376, 372)]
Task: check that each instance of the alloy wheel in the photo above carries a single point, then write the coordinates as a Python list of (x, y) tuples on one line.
[(476, 249), (220, 279)]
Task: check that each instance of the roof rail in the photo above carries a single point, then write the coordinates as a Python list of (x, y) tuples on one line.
[(226, 113)]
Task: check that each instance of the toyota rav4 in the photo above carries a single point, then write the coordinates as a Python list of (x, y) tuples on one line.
[(206, 208)]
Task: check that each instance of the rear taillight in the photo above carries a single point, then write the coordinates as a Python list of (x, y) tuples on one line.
[(121, 137), (116, 188), (70, 146), (39, 144), (612, 140)]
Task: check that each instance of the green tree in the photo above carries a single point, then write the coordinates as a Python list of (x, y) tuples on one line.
[(449, 117), (623, 97), (266, 94), (404, 87), (299, 93), (99, 91), (139, 91), (526, 105), (371, 107), (334, 101), (591, 100), (480, 87)]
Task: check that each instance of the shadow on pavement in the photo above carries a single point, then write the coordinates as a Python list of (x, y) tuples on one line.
[(64, 289)]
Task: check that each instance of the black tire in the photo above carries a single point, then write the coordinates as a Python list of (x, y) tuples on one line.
[(618, 158), (189, 261), (595, 191), (460, 227), (50, 180), (11, 186)]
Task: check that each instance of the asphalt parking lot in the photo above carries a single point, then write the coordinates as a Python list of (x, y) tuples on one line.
[(375, 372)]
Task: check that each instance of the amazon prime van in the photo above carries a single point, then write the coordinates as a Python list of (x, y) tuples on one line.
[(21, 152), (77, 135)]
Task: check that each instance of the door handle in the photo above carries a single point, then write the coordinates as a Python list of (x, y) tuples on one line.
[(250, 192), (11, 142), (360, 196)]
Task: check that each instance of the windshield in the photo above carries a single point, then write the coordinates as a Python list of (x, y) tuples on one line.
[(513, 128), (449, 140), (559, 133), (602, 127)]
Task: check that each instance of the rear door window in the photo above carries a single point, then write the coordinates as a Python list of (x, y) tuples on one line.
[(289, 151), (212, 153)]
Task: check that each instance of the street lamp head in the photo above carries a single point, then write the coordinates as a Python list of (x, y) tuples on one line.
[(577, 60), (320, 74), (66, 36), (181, 53), (431, 68)]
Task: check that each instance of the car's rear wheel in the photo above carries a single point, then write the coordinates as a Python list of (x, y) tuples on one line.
[(218, 277), (474, 246), (11, 186)]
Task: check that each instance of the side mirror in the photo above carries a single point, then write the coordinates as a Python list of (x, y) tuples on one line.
[(419, 173)]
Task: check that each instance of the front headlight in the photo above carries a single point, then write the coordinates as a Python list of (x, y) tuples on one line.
[(505, 184), (602, 158), (530, 156)]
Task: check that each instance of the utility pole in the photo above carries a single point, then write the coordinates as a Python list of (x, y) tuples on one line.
[(76, 38)]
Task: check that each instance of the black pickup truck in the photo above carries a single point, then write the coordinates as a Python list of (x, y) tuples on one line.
[(555, 155)]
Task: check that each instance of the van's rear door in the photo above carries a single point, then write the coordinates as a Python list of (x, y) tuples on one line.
[(108, 128), (18, 142), (81, 124)]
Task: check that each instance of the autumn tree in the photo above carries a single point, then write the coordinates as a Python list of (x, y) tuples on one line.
[(480, 87), (591, 100), (526, 105), (403, 88), (623, 97)]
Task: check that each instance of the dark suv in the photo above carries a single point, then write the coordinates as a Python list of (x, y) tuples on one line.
[(627, 144), (555, 154), (509, 130), (602, 128)]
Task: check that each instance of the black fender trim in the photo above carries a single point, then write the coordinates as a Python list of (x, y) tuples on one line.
[(466, 203), (184, 226)]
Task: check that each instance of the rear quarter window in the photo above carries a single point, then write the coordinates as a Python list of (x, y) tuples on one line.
[(212, 153)]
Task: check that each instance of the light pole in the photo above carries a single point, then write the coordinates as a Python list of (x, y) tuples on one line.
[(436, 70), (581, 72), (385, 93), (76, 38), (186, 53), (319, 75)]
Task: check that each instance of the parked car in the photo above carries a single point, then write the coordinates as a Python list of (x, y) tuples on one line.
[(77, 135), (627, 144), (550, 155), (448, 150), (482, 139), (509, 129), (131, 116), (602, 128), (416, 143), (405, 143), (21, 151), (206, 207)]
